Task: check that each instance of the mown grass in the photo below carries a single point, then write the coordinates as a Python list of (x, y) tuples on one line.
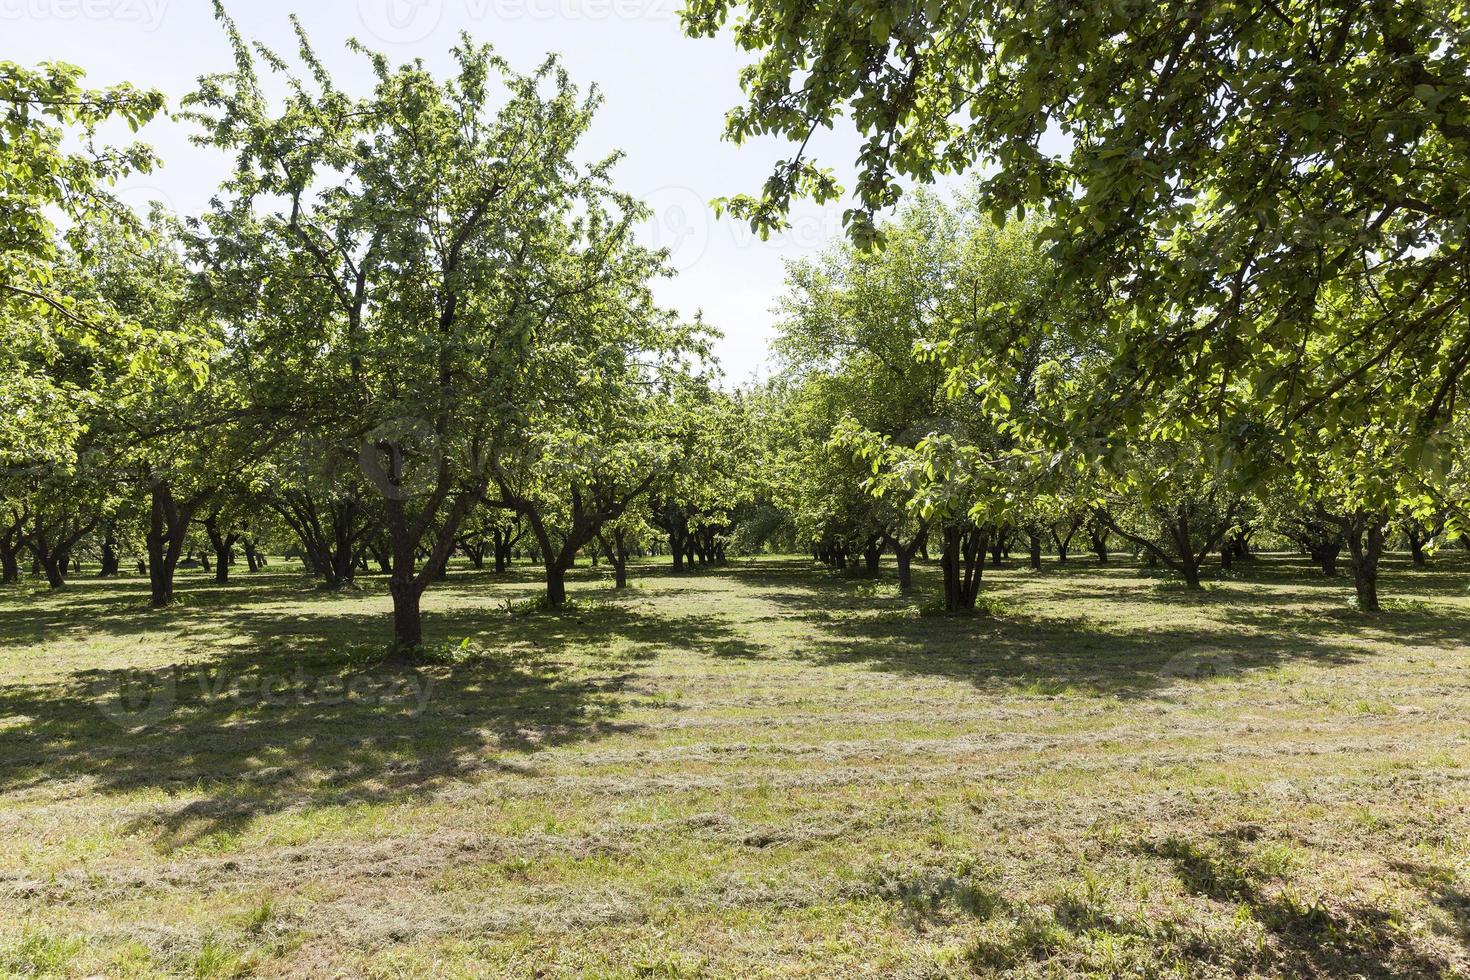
[(765, 770)]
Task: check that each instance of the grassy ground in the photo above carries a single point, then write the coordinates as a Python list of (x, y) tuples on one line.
[(766, 771)]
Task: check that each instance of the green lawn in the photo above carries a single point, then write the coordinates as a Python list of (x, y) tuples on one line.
[(763, 771)]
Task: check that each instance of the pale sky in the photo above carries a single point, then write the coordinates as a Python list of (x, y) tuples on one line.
[(665, 98)]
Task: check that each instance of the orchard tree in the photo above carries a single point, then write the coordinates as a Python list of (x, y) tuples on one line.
[(611, 433), (695, 502), (852, 328), (52, 167), (1169, 498), (1216, 168), (431, 237)]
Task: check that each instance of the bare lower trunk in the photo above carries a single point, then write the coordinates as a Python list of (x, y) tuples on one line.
[(408, 622), (905, 559), (871, 556), (55, 567), (963, 564), (1366, 547), (556, 584), (111, 560)]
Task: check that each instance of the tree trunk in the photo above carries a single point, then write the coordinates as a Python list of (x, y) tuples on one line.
[(222, 544), (1034, 539), (1416, 549), (408, 622), (167, 525), (9, 566), (111, 560), (556, 584), (55, 567), (251, 562), (1190, 571), (1365, 546), (617, 553), (871, 556), (905, 558), (963, 563)]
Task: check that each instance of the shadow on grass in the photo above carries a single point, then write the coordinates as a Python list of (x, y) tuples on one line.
[(295, 707), (1310, 936), (1240, 626), (261, 716)]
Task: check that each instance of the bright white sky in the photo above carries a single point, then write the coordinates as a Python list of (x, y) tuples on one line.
[(665, 101)]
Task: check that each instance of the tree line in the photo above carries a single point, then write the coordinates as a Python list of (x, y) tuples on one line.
[(412, 324)]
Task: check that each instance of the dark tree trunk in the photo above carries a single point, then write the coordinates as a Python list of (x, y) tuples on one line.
[(556, 584), (1064, 541), (1417, 540), (223, 544), (905, 559), (1365, 547), (55, 568), (1325, 555), (252, 562), (1034, 542), (963, 564), (616, 547), (168, 523), (872, 553), (1000, 547), (1190, 572), (9, 566), (111, 560), (408, 621), (1099, 538)]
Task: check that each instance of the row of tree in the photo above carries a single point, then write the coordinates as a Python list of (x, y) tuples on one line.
[(410, 322), (955, 391)]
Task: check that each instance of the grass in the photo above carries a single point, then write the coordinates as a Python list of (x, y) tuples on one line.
[(762, 771)]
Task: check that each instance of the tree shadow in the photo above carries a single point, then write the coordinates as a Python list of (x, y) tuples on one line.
[(1313, 936), (1016, 644), (284, 709)]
